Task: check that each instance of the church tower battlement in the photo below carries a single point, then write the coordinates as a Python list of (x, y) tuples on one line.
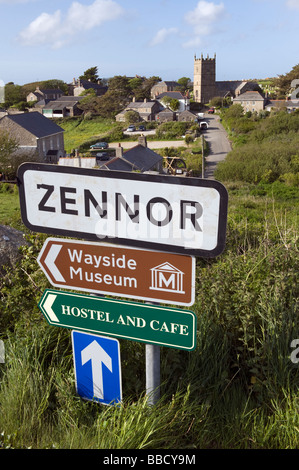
[(204, 78)]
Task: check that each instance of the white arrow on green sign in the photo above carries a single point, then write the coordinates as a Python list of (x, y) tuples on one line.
[(153, 324)]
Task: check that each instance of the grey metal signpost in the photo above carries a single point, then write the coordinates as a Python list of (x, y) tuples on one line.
[(152, 371)]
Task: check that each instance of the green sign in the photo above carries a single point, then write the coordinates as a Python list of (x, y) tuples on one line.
[(163, 326)]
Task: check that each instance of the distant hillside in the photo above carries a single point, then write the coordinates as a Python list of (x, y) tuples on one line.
[(46, 85)]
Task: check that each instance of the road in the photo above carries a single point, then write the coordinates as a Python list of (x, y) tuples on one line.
[(219, 144), (215, 135)]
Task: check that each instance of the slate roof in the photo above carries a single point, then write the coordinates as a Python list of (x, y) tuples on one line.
[(36, 124), (137, 158), (50, 91), (142, 157), (63, 102), (229, 86), (172, 94), (141, 104), (87, 85), (169, 83), (249, 96)]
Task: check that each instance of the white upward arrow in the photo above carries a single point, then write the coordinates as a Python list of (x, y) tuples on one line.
[(98, 356), (50, 262)]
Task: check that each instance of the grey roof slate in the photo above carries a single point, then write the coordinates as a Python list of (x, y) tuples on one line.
[(172, 94), (141, 104), (63, 102), (249, 96), (36, 124), (142, 157), (137, 158)]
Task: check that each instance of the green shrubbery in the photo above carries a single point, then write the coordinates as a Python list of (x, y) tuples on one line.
[(171, 130), (234, 391), (265, 148)]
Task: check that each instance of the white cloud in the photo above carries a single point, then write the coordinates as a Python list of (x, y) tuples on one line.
[(57, 29), (293, 4), (202, 19), (162, 35)]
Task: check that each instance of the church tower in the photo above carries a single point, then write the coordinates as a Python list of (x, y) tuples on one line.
[(204, 79)]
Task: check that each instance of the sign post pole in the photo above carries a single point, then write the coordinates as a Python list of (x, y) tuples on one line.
[(152, 370), (152, 367)]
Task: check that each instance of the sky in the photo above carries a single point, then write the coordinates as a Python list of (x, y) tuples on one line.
[(61, 39)]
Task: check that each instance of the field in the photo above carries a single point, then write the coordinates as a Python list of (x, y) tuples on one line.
[(78, 131), (237, 390)]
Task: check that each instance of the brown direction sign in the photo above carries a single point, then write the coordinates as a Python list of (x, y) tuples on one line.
[(134, 273)]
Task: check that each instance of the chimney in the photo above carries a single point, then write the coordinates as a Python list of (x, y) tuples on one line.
[(142, 140), (133, 99), (74, 81), (145, 100), (119, 151)]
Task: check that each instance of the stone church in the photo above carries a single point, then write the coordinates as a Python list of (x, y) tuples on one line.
[(206, 87)]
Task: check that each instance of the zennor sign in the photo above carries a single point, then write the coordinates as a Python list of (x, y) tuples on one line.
[(125, 272), (166, 213)]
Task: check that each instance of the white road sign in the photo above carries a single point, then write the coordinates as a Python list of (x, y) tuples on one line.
[(177, 214)]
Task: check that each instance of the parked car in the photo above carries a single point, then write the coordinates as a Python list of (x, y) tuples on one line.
[(203, 125), (211, 111), (102, 156), (141, 128), (99, 145), (131, 128)]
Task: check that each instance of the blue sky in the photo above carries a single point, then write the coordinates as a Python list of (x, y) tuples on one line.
[(61, 39)]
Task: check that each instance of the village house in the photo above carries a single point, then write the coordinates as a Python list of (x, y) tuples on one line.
[(146, 109), (79, 86), (39, 95), (35, 134), (184, 101), (163, 87), (187, 116), (251, 101), (65, 106), (166, 115), (138, 158), (289, 105)]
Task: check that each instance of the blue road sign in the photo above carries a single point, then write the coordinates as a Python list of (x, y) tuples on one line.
[(97, 367)]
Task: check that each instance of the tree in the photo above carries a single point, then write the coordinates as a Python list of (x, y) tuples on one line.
[(132, 117), (283, 82), (135, 83), (171, 103), (174, 104), (13, 94), (90, 74), (9, 159), (145, 90), (184, 85)]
